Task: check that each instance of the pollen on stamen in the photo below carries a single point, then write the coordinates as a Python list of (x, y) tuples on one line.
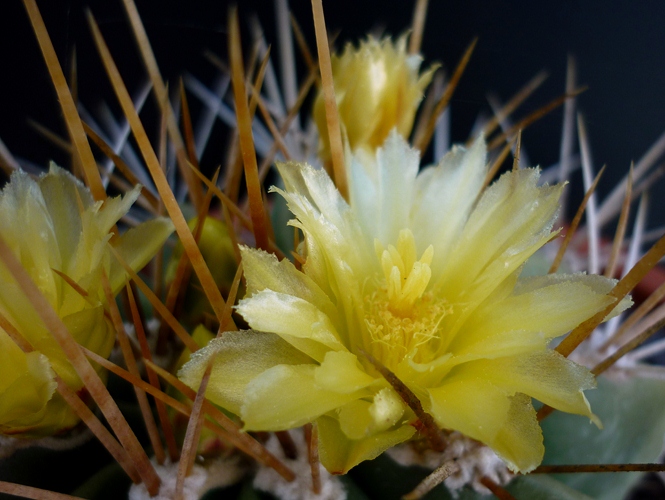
[(393, 336), (406, 278), (401, 315)]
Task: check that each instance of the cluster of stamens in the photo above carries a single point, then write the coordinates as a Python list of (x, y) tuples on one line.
[(400, 314)]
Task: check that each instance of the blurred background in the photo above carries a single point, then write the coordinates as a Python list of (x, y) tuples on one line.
[(619, 49)]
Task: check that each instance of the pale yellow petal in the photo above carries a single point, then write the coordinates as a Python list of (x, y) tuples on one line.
[(520, 441), (355, 420), (546, 376), (539, 309), (114, 208), (313, 198), (26, 386), (445, 195), (505, 422), (339, 453), (386, 409), (342, 372), (237, 358), (297, 321), (512, 220), (264, 271), (287, 396), (366, 417), (61, 192), (202, 336), (137, 246), (382, 189), (471, 405), (27, 228)]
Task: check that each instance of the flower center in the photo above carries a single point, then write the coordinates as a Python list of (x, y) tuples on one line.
[(399, 314), (406, 278)]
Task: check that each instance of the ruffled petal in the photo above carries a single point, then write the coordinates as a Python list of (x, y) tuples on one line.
[(445, 195), (323, 214), (27, 228), (114, 208), (512, 220), (237, 358), (382, 188)]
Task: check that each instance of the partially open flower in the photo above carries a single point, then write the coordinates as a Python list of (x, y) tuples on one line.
[(418, 275), (61, 236), (378, 88)]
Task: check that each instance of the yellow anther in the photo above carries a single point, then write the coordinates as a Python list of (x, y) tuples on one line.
[(406, 278)]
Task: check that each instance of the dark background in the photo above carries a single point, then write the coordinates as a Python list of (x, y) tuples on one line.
[(619, 47)]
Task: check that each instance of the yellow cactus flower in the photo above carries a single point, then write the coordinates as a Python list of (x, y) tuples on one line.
[(422, 273), (56, 229), (378, 87)]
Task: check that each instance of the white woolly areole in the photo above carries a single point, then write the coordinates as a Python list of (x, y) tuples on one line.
[(300, 488), (474, 460), (223, 472), (168, 473)]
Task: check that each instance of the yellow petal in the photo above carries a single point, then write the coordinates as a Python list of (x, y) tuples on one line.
[(287, 396), (114, 208), (26, 386), (386, 409), (237, 358), (546, 376), (512, 220), (503, 421), (444, 197), (61, 190), (324, 214), (339, 453), (539, 309), (297, 321), (382, 188), (341, 372), (27, 228), (520, 441), (137, 246), (473, 406), (264, 271), (361, 418), (202, 336), (355, 420)]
